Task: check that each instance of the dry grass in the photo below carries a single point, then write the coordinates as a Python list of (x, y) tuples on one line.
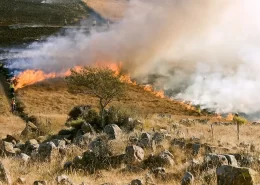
[(50, 100), (110, 9)]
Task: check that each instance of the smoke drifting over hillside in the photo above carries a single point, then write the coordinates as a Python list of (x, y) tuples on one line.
[(204, 51)]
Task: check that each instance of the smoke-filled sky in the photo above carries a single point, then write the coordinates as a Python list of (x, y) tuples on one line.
[(205, 51)]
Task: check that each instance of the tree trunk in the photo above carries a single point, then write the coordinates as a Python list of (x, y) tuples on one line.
[(102, 109), (237, 131)]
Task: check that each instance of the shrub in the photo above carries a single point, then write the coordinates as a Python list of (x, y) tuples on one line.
[(75, 123)]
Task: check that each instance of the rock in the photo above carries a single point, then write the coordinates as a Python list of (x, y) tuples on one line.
[(30, 146), (113, 131), (59, 143), (158, 137), (137, 182), (214, 160), (21, 180), (159, 172), (231, 175), (145, 139), (29, 128), (188, 179), (4, 174), (231, 160), (134, 154), (11, 139), (25, 157), (63, 180), (87, 128), (47, 151), (40, 183), (99, 148), (8, 148), (166, 158)]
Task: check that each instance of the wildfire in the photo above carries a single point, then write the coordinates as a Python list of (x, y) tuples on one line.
[(159, 93), (230, 117), (29, 77)]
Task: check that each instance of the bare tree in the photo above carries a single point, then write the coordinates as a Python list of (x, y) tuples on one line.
[(101, 82)]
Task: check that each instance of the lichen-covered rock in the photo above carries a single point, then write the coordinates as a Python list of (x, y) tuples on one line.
[(134, 154), (113, 131), (230, 175)]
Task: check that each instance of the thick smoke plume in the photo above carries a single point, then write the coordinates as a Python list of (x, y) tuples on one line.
[(205, 51)]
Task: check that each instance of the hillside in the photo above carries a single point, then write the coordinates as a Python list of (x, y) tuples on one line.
[(51, 99), (22, 21)]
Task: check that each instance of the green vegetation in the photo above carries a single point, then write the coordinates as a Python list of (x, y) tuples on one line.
[(102, 83), (20, 20)]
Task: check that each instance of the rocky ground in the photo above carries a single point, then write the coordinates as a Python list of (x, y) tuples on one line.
[(126, 152)]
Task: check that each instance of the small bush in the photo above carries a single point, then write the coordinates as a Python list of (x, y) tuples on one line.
[(240, 120), (75, 123)]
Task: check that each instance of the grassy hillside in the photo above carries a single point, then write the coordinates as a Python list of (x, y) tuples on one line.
[(20, 20), (51, 99)]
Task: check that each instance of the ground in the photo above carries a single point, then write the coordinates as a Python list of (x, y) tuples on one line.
[(9, 123)]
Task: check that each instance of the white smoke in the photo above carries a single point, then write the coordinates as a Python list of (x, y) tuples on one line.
[(206, 51)]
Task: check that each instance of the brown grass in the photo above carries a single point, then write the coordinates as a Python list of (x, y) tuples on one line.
[(51, 100)]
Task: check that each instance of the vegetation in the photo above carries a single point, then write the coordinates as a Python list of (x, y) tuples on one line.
[(239, 120), (103, 83), (23, 21)]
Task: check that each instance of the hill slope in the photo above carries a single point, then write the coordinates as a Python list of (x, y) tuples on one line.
[(51, 99)]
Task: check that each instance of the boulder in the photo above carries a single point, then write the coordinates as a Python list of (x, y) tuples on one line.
[(230, 175), (159, 172), (29, 128), (8, 148), (59, 143), (4, 174), (158, 137), (11, 139), (47, 151), (166, 158), (113, 131), (214, 160), (134, 154), (30, 146), (146, 141), (137, 182), (187, 179), (64, 180), (25, 157)]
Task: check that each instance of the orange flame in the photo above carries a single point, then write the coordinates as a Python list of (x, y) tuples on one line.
[(230, 117), (30, 77), (159, 93)]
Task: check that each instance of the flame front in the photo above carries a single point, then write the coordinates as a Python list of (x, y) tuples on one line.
[(29, 77)]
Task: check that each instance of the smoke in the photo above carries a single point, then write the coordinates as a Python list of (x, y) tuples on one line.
[(204, 51)]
